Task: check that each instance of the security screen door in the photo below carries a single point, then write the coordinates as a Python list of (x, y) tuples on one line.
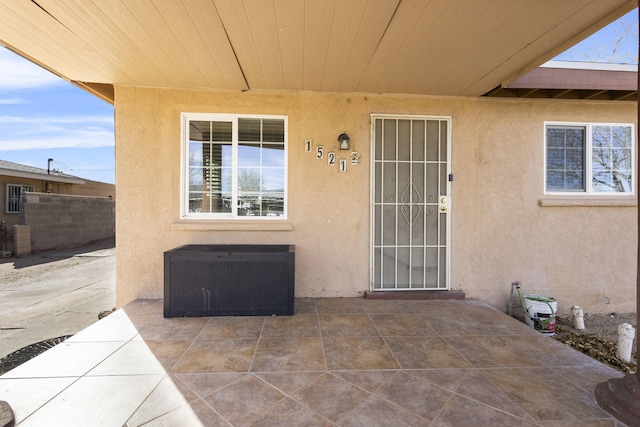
[(410, 203)]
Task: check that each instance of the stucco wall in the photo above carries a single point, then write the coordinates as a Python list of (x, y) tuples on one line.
[(500, 232)]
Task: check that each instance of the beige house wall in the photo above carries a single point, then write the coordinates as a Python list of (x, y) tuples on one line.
[(500, 233), (89, 188)]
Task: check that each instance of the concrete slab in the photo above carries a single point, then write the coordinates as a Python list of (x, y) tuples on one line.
[(54, 293)]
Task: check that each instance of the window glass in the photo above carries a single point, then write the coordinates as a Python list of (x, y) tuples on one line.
[(232, 178), (565, 159), (14, 196), (590, 158)]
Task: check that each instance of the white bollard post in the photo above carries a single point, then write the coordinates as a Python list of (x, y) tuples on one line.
[(578, 317), (626, 332)]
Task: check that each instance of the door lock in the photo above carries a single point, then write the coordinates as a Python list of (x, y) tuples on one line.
[(444, 204)]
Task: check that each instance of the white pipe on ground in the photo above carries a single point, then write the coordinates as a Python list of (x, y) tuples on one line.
[(626, 332)]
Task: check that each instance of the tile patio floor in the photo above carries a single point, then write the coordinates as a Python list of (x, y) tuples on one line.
[(341, 361)]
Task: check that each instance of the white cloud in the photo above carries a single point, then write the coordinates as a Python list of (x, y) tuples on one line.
[(78, 139), (108, 120), (12, 101), (19, 73)]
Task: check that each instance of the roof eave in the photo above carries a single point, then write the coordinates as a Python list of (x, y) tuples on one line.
[(42, 177)]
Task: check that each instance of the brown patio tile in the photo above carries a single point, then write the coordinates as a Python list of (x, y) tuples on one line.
[(500, 323), (408, 324), (304, 306), (289, 354), (545, 395), (168, 396), (367, 380), (459, 324), (288, 412), (347, 325), (577, 423), (142, 312), (435, 309), (168, 352), (288, 382), (183, 328), (300, 325), (220, 327), (349, 353), (417, 395), (375, 411), (230, 355), (243, 400), (385, 306), (589, 375), (491, 351), (195, 413), (204, 384), (425, 353), (477, 387), (549, 352), (341, 305), (445, 378), (463, 412), (330, 396)]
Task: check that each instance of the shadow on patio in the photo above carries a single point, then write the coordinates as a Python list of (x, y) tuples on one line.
[(337, 361)]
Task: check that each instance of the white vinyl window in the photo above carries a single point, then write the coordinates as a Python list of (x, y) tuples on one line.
[(14, 195), (591, 158), (234, 166)]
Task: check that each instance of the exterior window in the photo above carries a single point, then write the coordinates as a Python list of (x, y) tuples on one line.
[(589, 158), (234, 166), (14, 194)]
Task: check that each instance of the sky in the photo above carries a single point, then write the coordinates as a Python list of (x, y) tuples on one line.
[(43, 117)]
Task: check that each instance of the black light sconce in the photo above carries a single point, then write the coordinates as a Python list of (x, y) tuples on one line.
[(345, 142)]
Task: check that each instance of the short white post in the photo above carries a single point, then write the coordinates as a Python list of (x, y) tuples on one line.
[(578, 317), (626, 332)]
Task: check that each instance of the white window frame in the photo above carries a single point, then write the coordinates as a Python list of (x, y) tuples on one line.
[(185, 118), (10, 201), (588, 148)]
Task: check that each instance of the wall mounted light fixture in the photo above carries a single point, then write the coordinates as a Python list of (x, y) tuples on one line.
[(345, 142)]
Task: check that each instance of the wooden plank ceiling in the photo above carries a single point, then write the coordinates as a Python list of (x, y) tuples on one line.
[(436, 47)]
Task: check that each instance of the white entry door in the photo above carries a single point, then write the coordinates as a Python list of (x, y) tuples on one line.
[(410, 200)]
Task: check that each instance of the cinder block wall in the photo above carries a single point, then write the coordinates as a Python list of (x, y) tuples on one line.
[(63, 221)]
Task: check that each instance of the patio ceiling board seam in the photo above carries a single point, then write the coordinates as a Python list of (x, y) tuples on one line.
[(361, 52), (447, 71), (527, 44), (262, 23), (226, 63), (246, 57), (57, 54), (161, 41), (71, 19), (386, 50), (181, 25)]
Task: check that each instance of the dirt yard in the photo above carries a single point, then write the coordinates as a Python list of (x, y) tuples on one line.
[(599, 339)]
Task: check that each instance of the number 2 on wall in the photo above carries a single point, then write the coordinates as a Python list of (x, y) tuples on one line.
[(331, 158)]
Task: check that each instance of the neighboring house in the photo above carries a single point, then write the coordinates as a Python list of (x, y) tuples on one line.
[(55, 189), (228, 115)]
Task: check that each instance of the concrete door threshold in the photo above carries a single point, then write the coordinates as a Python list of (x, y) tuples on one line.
[(415, 295)]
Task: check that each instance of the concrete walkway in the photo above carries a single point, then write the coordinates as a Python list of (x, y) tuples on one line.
[(54, 293)]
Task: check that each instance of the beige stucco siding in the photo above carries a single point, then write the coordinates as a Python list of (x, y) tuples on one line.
[(500, 232)]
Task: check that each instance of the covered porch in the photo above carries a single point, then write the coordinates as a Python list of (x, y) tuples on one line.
[(337, 361)]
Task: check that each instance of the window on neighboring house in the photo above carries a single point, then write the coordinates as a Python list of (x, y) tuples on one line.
[(234, 166), (14, 194), (589, 158)]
